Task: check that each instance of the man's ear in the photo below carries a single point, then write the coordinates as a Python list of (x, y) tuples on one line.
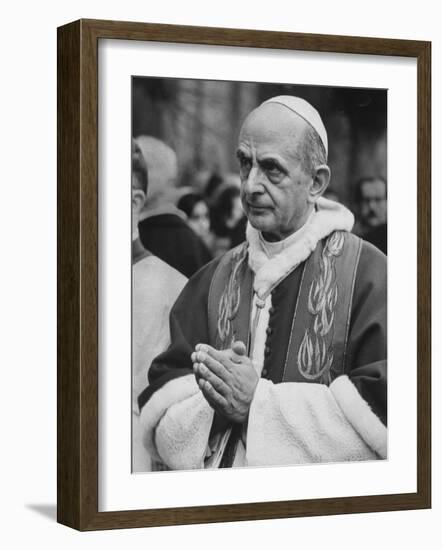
[(320, 182), (138, 198)]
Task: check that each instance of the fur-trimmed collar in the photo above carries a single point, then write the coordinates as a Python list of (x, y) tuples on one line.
[(329, 216)]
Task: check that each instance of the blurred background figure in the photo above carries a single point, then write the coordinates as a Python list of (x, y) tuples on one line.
[(197, 213), (371, 197), (211, 188), (162, 227), (227, 218), (155, 287)]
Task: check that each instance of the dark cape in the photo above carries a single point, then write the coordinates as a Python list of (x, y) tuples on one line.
[(173, 241), (378, 237)]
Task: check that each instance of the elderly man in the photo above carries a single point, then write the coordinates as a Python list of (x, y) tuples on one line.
[(278, 352)]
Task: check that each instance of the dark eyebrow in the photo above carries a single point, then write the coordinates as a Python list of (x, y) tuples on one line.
[(271, 159), (240, 153)]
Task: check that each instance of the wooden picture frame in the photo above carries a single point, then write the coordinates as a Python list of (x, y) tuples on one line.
[(77, 223)]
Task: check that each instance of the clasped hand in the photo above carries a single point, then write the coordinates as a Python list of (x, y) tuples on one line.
[(227, 379)]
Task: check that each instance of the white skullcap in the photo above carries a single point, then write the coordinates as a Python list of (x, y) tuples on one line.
[(305, 111)]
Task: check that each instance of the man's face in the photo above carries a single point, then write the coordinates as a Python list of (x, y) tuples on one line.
[(274, 187), (373, 203)]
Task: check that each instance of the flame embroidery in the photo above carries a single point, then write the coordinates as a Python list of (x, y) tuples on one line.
[(315, 354), (229, 302)]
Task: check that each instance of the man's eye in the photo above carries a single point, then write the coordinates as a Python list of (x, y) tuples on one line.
[(245, 165), (272, 170)]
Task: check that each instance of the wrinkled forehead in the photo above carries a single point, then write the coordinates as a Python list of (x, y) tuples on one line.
[(272, 124)]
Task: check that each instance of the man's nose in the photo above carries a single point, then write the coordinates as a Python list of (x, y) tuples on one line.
[(254, 184)]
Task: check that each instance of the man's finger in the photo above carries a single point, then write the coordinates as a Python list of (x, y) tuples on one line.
[(239, 348), (201, 347), (211, 395), (196, 369), (215, 366), (238, 352), (234, 354), (222, 356), (219, 385)]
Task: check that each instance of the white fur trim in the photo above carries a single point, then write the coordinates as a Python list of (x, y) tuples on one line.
[(182, 434), (296, 423), (359, 414), (176, 423), (330, 216)]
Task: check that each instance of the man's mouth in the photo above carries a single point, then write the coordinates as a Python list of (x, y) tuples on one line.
[(258, 207)]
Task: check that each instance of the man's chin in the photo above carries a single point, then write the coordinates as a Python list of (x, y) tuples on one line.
[(260, 223)]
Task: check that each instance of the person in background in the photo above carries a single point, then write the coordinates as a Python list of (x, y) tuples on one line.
[(227, 218), (211, 188), (163, 228), (372, 205), (155, 287), (197, 213)]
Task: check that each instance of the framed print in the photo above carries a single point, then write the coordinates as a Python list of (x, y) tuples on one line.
[(223, 329)]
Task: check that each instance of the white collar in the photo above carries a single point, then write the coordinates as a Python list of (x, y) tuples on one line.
[(269, 271), (273, 248)]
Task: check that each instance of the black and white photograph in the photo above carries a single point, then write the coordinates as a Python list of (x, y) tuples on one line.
[(202, 364), (259, 274)]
